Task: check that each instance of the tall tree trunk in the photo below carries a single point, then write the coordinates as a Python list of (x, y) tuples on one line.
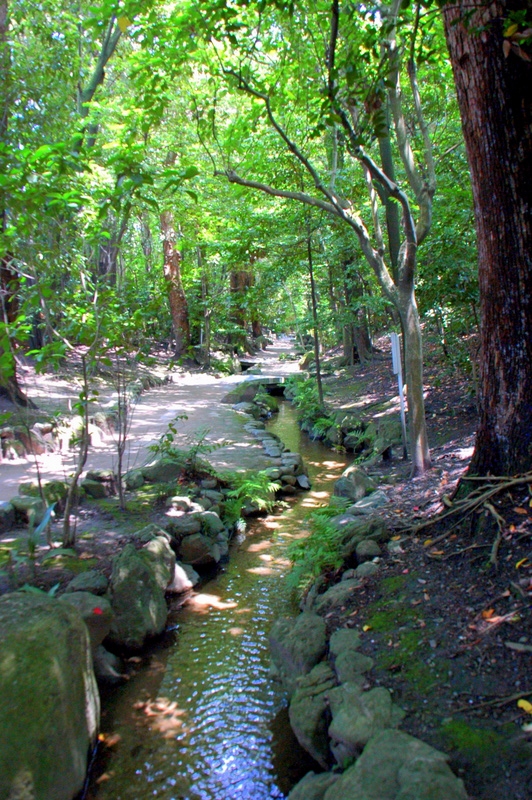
[(494, 86), (172, 275)]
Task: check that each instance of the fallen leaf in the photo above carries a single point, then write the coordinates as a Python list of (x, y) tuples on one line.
[(521, 648), (525, 705), (522, 562), (488, 613), (520, 510), (396, 538), (427, 542), (366, 628), (437, 552)]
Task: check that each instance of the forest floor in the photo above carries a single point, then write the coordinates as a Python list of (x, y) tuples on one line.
[(448, 620)]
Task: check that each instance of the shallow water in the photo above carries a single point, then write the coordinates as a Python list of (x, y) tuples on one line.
[(202, 720)]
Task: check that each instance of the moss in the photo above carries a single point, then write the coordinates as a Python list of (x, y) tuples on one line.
[(478, 744), (386, 621), (393, 584), (71, 563)]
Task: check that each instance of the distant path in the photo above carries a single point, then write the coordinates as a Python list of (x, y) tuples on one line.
[(195, 394)]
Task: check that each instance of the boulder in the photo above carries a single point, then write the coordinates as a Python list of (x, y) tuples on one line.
[(357, 716), (183, 525), (49, 709), (108, 668), (354, 484), (210, 522), (366, 550), (366, 570), (54, 491), (164, 470), (199, 550), (162, 558), (368, 504), (29, 509), (185, 577), (136, 599), (337, 596), (308, 712), (90, 581), (349, 664), (396, 766), (95, 489), (296, 645), (96, 613), (133, 479), (150, 532), (312, 786), (7, 516), (303, 482)]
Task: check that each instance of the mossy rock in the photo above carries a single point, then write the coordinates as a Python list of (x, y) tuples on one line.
[(50, 708), (54, 491)]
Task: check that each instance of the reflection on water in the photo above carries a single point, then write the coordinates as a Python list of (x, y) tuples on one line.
[(203, 720)]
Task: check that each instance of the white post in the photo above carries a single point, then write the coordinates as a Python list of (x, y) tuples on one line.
[(398, 370)]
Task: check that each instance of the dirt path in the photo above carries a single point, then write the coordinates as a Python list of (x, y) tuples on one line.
[(195, 394)]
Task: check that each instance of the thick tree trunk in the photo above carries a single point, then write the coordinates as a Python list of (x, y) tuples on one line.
[(494, 86), (174, 285)]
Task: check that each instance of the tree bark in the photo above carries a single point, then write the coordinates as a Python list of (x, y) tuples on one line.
[(494, 87), (172, 275)]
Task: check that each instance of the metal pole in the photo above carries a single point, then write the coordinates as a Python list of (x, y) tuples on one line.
[(398, 370)]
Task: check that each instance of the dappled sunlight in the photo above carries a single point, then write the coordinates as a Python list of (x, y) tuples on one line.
[(236, 631), (266, 557), (205, 601), (163, 716), (259, 546), (263, 571)]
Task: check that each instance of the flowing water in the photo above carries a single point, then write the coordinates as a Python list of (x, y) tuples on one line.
[(202, 720)]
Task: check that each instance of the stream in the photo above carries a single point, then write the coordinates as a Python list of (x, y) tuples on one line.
[(201, 719)]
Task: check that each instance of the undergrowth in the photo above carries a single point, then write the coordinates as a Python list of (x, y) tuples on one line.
[(320, 552), (255, 490)]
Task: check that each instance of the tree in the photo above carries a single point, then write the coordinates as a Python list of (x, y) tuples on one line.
[(355, 102), (490, 53)]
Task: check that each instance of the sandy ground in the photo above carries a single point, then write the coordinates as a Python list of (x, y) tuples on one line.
[(197, 395)]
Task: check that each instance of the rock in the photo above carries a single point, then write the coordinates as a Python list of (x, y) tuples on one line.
[(183, 503), (366, 550), (164, 470), (213, 495), (308, 712), (101, 475), (95, 489), (32, 440), (136, 599), (91, 581), (247, 408), (108, 668), (289, 480), (50, 708), (357, 716), (366, 570), (12, 449), (353, 484), (150, 532), (29, 509), (199, 550), (209, 483), (273, 473), (210, 522), (185, 577), (296, 645), (243, 392), (54, 491), (394, 548), (312, 786), (396, 766), (95, 612), (303, 482), (342, 640), (162, 556), (368, 504), (183, 525), (272, 451), (133, 479), (7, 516), (336, 596)]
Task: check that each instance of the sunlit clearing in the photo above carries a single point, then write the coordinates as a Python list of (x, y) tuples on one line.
[(209, 600), (256, 548), (263, 571), (236, 631), (164, 716)]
